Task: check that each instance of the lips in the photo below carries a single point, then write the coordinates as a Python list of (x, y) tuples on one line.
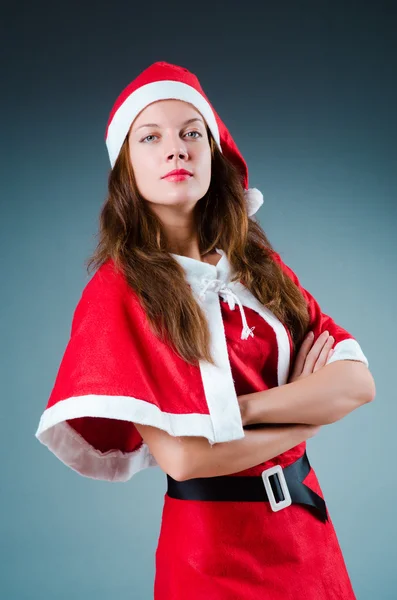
[(177, 177), (178, 173)]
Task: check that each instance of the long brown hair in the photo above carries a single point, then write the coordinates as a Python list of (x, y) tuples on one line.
[(132, 236)]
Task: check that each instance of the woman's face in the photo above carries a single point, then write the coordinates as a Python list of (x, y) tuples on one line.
[(160, 140)]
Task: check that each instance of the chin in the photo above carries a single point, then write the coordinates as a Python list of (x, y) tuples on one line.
[(177, 201), (182, 198)]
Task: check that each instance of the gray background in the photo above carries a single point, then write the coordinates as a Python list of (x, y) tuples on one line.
[(308, 91)]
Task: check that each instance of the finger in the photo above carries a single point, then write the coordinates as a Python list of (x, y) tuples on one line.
[(323, 355), (314, 352), (301, 356), (322, 359)]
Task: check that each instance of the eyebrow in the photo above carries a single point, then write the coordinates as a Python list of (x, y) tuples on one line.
[(183, 124)]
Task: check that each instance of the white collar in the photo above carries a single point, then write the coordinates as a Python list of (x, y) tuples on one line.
[(205, 278), (195, 269)]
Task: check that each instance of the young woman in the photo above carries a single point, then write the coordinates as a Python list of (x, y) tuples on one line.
[(195, 348)]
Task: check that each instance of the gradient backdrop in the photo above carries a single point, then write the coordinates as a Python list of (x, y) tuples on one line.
[(308, 90)]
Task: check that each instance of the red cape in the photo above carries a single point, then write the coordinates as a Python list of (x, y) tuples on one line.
[(115, 372)]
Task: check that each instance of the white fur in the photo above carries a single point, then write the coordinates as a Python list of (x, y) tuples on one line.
[(254, 199)]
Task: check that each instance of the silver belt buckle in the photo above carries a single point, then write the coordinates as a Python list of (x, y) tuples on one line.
[(287, 498)]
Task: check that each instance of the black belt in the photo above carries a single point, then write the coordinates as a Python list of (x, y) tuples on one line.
[(253, 489)]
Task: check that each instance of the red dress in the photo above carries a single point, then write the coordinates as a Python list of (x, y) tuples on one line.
[(243, 550), (115, 373)]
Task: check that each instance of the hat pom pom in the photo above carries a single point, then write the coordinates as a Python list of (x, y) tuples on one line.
[(254, 200)]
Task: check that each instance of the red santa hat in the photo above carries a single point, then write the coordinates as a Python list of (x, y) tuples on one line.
[(162, 81)]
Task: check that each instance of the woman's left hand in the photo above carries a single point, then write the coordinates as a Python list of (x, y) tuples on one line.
[(312, 357)]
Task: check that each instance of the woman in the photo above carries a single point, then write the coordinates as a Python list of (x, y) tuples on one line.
[(190, 350)]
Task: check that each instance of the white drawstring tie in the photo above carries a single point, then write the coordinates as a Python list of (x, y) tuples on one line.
[(220, 287)]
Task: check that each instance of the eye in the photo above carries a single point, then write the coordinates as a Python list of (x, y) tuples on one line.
[(198, 133), (188, 132), (148, 136)]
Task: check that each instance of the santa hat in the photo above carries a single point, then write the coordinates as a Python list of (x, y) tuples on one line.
[(162, 81)]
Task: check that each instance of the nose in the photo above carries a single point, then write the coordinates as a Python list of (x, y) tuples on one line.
[(182, 154), (176, 148)]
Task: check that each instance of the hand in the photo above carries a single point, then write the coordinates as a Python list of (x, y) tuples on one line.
[(311, 358)]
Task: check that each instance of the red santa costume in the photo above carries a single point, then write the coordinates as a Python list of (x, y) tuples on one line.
[(214, 543)]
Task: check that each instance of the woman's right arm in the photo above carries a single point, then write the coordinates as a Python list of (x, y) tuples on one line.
[(189, 457)]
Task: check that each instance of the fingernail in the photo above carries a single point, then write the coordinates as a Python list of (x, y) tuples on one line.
[(310, 334)]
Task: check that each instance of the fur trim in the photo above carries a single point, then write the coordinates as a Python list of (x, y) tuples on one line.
[(254, 199)]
